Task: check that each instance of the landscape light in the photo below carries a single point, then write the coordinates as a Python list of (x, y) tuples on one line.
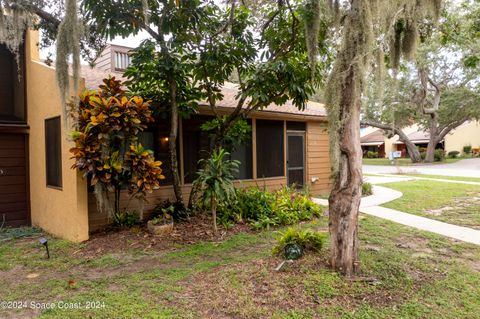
[(44, 242)]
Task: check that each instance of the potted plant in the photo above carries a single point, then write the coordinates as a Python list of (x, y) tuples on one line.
[(163, 224)]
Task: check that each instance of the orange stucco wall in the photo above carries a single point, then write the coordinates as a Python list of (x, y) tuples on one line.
[(61, 212)]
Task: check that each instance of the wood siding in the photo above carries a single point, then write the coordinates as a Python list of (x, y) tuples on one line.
[(13, 180), (98, 220), (317, 166), (318, 158)]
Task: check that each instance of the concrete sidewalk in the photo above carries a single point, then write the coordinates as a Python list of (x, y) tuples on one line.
[(381, 195)]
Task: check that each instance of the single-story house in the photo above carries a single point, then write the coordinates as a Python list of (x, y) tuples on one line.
[(38, 186), (373, 142), (373, 139)]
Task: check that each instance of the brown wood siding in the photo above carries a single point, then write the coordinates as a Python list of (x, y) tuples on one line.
[(317, 165), (318, 158), (98, 220), (13, 180)]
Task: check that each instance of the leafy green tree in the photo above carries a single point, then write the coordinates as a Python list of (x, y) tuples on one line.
[(448, 73), (392, 109), (439, 92), (196, 46), (106, 145), (215, 181)]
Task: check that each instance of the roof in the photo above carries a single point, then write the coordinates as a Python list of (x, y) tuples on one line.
[(93, 78), (374, 138), (417, 137)]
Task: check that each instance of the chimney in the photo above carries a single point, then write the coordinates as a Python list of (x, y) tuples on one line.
[(114, 59)]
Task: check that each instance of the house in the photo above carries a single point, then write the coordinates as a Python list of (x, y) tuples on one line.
[(38, 186), (373, 139)]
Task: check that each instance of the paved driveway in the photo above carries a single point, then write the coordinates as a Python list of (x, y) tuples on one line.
[(465, 168)]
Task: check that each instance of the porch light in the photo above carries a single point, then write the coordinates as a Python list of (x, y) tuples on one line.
[(44, 242), (165, 139)]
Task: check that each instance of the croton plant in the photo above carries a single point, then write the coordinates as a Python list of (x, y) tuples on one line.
[(106, 149)]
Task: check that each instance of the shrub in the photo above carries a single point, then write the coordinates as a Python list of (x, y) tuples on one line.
[(467, 149), (439, 155), (263, 209), (453, 154), (215, 181), (177, 210), (371, 154), (126, 218), (366, 189), (307, 239)]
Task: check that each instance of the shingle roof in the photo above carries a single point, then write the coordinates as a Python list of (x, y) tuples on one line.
[(375, 137), (419, 136), (93, 78)]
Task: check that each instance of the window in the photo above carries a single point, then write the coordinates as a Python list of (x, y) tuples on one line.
[(196, 145), (155, 138), (53, 149), (243, 153), (12, 86), (122, 60), (296, 126), (270, 148)]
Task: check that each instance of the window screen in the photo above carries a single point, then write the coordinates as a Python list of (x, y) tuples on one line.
[(270, 148), (295, 126), (243, 153), (53, 151), (156, 138), (196, 145)]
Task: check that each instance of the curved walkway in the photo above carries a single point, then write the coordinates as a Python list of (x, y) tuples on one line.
[(381, 195)]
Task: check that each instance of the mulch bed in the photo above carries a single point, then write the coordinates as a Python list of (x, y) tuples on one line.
[(196, 229)]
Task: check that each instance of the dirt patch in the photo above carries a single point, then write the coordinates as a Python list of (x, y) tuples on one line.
[(197, 229), (252, 290)]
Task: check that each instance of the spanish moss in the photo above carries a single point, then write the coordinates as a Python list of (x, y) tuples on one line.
[(68, 43), (14, 21)]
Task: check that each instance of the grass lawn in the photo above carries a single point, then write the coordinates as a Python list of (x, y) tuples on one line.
[(452, 178), (402, 161), (453, 203), (405, 274)]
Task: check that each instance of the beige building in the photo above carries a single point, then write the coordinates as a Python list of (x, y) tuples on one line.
[(38, 186)]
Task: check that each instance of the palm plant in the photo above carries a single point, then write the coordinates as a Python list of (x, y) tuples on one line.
[(215, 181)]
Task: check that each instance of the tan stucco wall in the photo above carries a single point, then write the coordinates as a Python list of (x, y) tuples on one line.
[(61, 212), (466, 134)]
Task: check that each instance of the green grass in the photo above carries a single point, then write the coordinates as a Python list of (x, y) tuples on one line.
[(430, 277), (452, 178), (403, 161), (449, 202)]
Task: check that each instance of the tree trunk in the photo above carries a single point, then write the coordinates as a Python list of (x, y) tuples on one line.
[(413, 151), (432, 143), (172, 142), (346, 193), (346, 84)]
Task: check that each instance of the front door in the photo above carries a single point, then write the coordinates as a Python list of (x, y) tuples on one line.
[(296, 158), (14, 209)]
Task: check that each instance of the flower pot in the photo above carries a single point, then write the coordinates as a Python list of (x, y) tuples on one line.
[(160, 229)]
